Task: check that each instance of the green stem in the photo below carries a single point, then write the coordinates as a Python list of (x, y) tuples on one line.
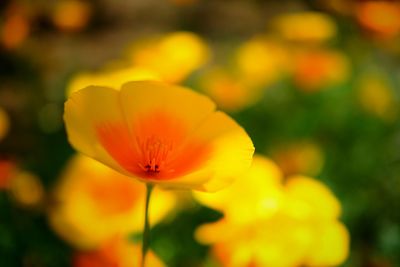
[(146, 231)]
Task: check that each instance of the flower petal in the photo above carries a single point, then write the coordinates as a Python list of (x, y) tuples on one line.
[(138, 98), (92, 110), (231, 154)]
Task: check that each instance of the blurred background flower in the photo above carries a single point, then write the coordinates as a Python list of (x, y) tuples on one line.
[(314, 83), (291, 223), (93, 203)]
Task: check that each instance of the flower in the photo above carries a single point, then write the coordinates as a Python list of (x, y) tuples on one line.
[(173, 56), (302, 157), (261, 61), (7, 172), (227, 90), (109, 78), (26, 189), (117, 252), (314, 27), (71, 15), (4, 123), (299, 215), (376, 96), (90, 193), (380, 17), (315, 68), (159, 134)]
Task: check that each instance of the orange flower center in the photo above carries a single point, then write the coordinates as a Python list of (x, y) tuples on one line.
[(155, 153), (158, 147)]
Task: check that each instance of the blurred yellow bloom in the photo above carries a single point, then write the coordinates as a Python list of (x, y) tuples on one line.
[(113, 78), (26, 188), (380, 17), (173, 57), (115, 253), (227, 90), (262, 189), (93, 203), (4, 123), (71, 15), (299, 158), (314, 69), (261, 61), (377, 97), (300, 217), (306, 27), (159, 134)]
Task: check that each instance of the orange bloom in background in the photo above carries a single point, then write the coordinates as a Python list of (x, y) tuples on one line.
[(307, 27), (117, 252), (16, 27), (173, 56), (285, 224), (314, 69), (94, 203), (7, 171), (380, 17), (71, 15), (159, 134), (227, 90), (113, 78), (299, 158)]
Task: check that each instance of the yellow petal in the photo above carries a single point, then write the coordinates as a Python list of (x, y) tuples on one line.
[(311, 198), (262, 190), (330, 246), (83, 111), (138, 98), (109, 78)]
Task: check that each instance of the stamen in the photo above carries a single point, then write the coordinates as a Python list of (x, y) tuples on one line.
[(155, 153)]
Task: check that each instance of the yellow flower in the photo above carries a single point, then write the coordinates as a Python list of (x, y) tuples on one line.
[(376, 97), (26, 188), (173, 57), (117, 252), (261, 61), (113, 78), (306, 26), (93, 203), (261, 186), (299, 216), (159, 134)]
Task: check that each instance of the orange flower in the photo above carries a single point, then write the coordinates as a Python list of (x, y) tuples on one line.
[(158, 133), (380, 17), (314, 69), (115, 253)]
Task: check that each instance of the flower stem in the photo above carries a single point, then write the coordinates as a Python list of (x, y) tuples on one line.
[(146, 230)]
